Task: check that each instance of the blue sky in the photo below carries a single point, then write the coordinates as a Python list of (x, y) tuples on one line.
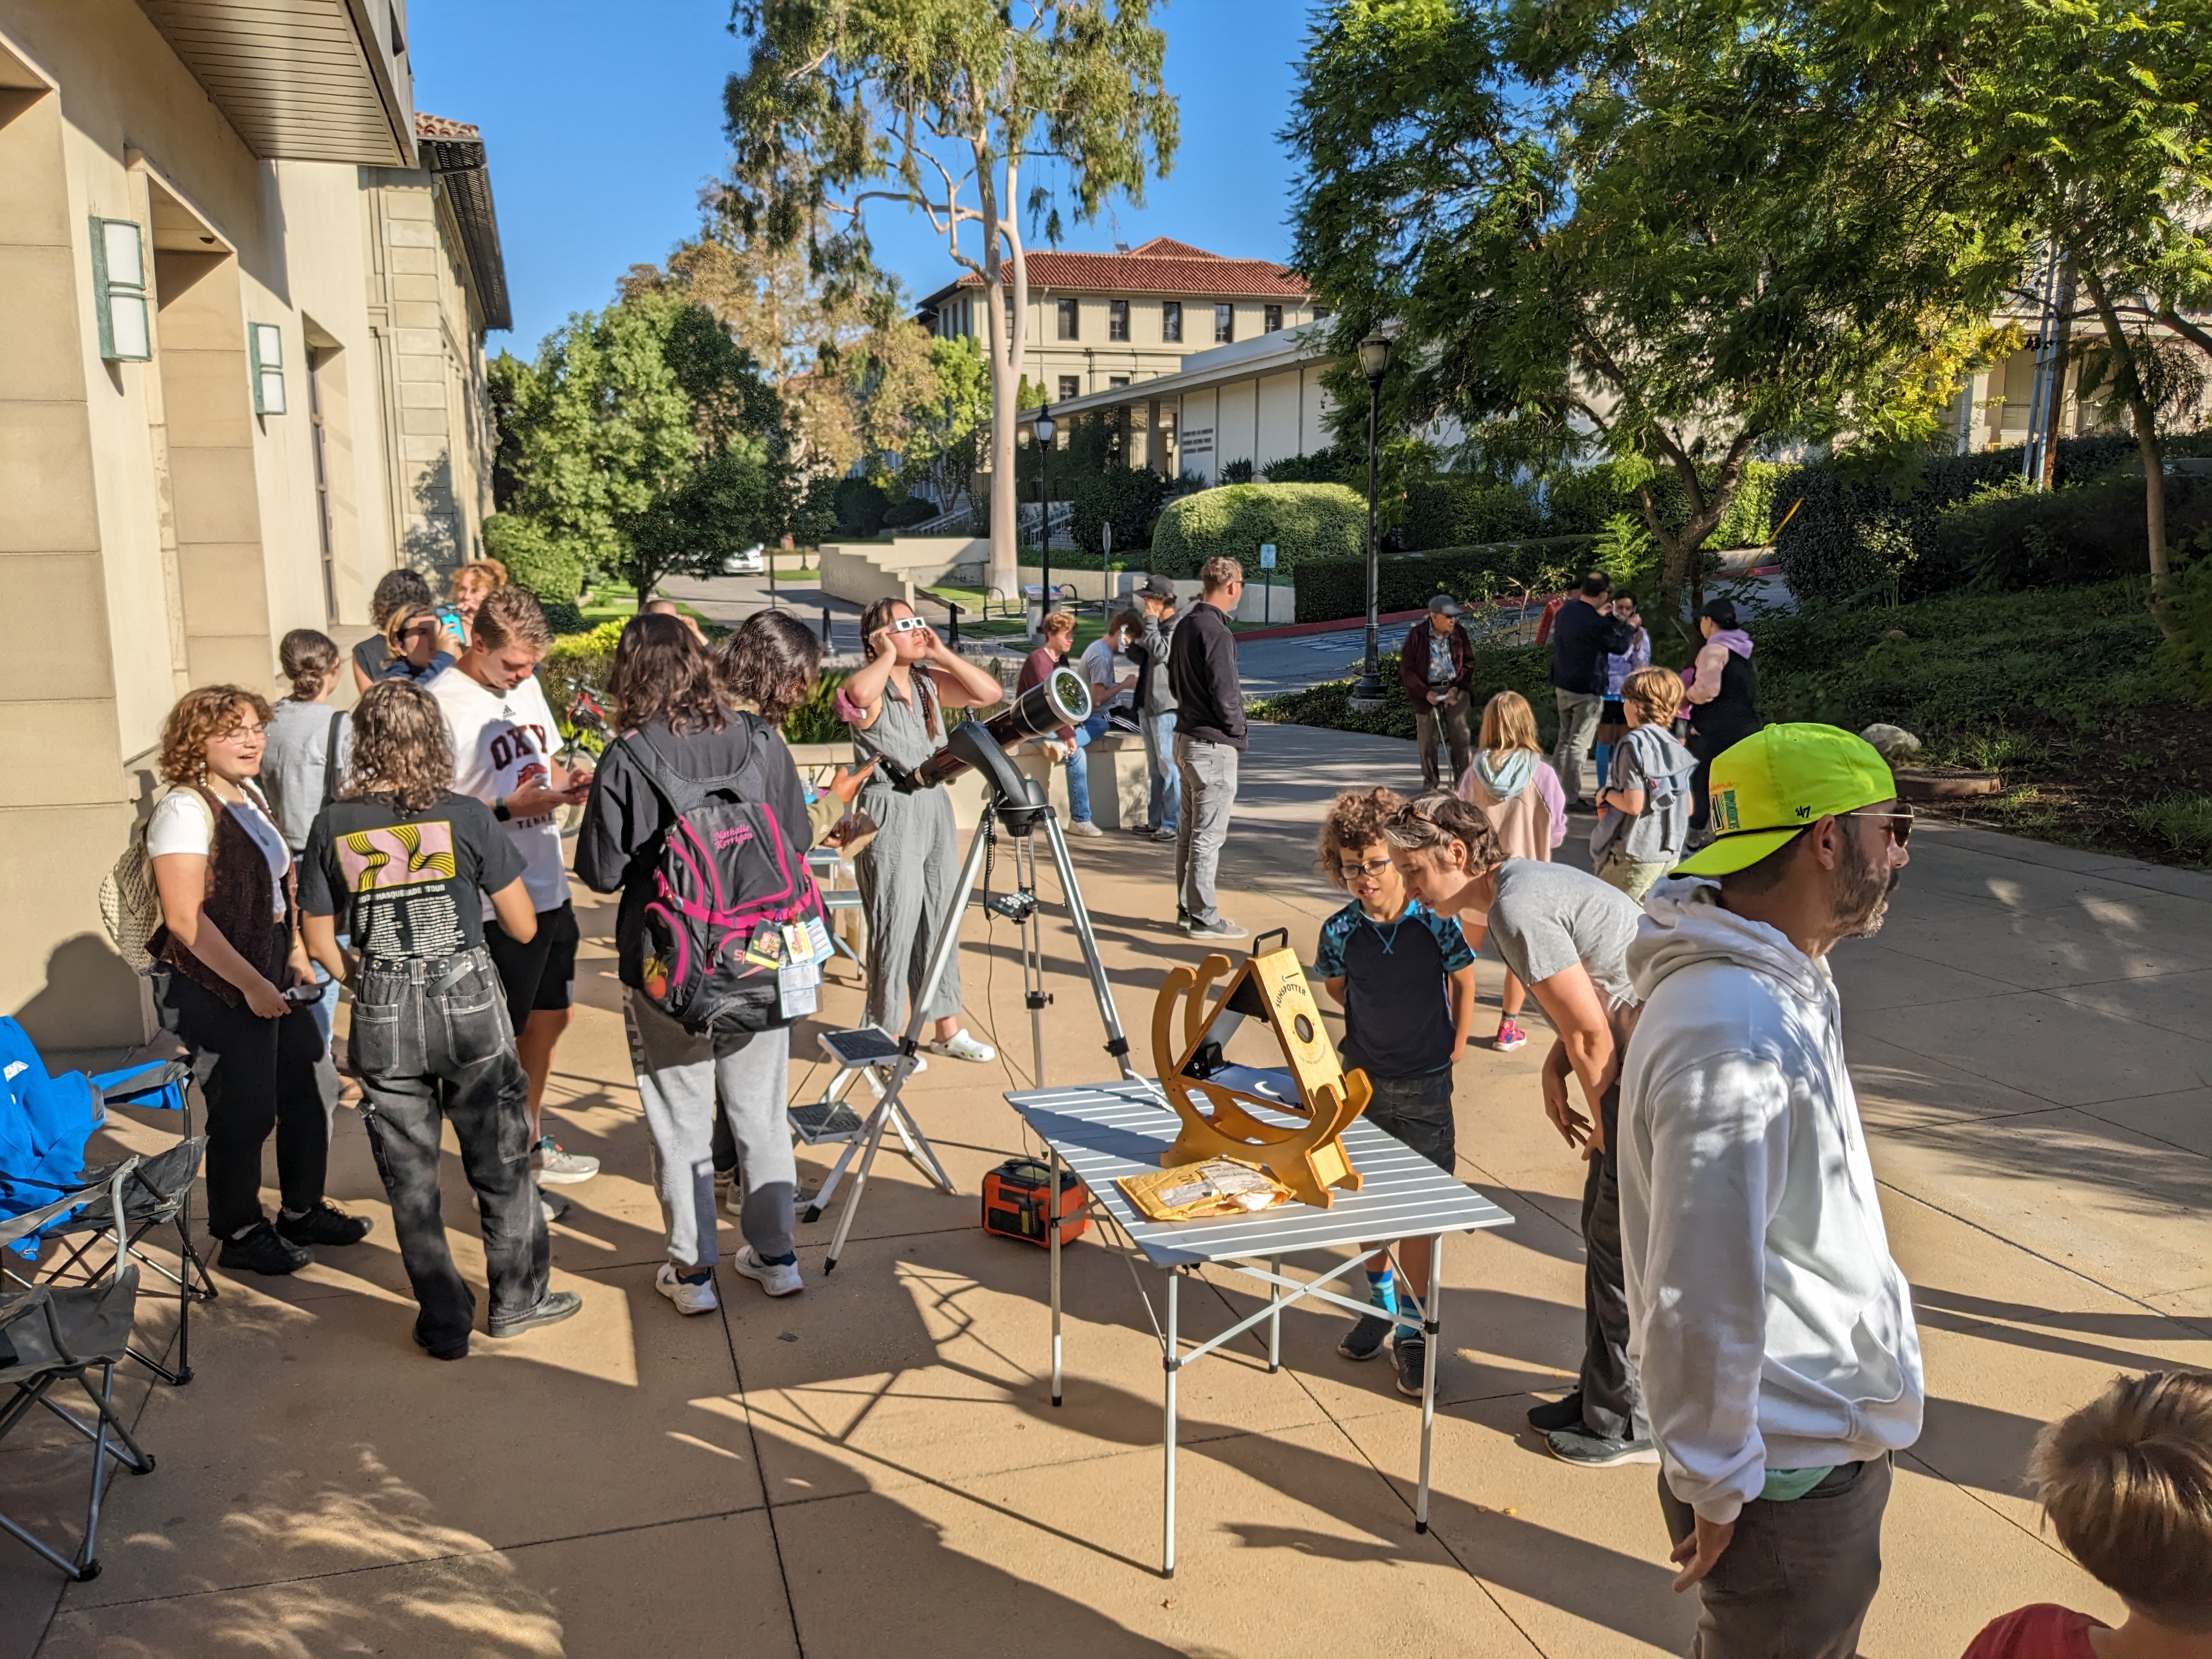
[(601, 124)]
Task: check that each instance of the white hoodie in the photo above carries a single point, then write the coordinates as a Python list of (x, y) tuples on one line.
[(1768, 1326)]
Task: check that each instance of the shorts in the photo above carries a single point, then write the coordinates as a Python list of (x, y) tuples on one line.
[(1419, 1111), (1611, 714), (541, 973)]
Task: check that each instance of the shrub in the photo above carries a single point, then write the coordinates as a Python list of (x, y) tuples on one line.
[(1329, 466), (1525, 669), (911, 511), (2183, 822), (1305, 521), (1127, 497), (1446, 510), (859, 505), (2191, 645), (1332, 588), (1580, 503), (575, 659), (551, 569)]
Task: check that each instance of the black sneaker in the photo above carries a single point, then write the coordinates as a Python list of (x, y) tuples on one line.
[(558, 1306), (1413, 1361), (1586, 1451), (1364, 1340), (325, 1223), (261, 1251), (1550, 1414), (443, 1350)]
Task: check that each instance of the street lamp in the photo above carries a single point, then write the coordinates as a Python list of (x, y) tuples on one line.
[(1045, 429), (1374, 361)]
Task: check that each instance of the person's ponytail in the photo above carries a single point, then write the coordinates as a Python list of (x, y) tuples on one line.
[(306, 658)]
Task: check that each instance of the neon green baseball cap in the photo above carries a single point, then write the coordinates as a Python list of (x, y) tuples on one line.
[(1780, 780)]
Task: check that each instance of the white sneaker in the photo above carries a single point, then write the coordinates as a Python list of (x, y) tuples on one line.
[(688, 1299), (961, 1046), (1084, 827), (553, 1206), (727, 1199), (558, 1169), (776, 1278)]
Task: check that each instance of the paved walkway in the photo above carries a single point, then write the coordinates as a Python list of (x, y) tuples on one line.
[(872, 1467)]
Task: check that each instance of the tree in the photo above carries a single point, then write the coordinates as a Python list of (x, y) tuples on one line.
[(943, 107), (647, 440), (2083, 120), (1670, 234), (942, 437)]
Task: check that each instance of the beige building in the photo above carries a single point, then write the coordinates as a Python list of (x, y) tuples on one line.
[(243, 294), (1099, 321)]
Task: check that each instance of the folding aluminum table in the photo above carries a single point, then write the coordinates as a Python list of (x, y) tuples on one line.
[(1102, 1131)]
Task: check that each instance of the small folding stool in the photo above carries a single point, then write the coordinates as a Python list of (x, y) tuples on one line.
[(858, 1054)]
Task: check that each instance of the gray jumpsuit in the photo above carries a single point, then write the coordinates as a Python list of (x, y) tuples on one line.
[(908, 871)]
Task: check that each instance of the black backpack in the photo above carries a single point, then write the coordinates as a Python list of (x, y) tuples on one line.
[(727, 871)]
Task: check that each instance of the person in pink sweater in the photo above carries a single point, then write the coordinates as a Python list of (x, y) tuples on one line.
[(1516, 789)]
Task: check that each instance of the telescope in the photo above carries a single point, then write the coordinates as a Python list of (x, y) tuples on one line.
[(1062, 698)]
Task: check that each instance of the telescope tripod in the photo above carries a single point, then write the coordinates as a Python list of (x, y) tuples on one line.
[(1020, 820)]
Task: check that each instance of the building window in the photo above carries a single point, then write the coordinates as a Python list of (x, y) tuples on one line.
[(1068, 321), (1171, 321), (1271, 319), (1117, 380), (266, 342), (1224, 324), (119, 289), (1070, 385), (1010, 313), (1117, 319)]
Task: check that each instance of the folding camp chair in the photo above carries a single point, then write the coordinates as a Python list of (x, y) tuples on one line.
[(51, 1334), (52, 1117)]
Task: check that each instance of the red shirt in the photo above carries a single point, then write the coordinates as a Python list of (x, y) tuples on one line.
[(2046, 1631), (1035, 671)]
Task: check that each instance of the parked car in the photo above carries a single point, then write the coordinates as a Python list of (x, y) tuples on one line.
[(745, 562)]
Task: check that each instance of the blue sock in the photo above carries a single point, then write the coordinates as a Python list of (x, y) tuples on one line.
[(1604, 761), (1381, 1288)]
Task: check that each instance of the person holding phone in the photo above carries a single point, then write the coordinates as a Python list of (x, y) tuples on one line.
[(233, 984), (422, 644), (504, 737), (895, 703)]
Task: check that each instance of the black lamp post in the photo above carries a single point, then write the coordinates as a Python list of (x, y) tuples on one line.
[(1045, 429), (1374, 360)]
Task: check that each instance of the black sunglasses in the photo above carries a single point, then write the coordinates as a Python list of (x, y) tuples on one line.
[(1900, 824)]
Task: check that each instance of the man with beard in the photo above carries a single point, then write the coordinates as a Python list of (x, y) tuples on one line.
[(1772, 1333)]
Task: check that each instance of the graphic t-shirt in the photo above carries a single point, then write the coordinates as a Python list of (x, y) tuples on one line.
[(503, 740), (1397, 1008), (1441, 671), (408, 881)]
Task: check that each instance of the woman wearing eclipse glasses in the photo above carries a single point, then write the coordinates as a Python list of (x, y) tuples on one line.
[(895, 704)]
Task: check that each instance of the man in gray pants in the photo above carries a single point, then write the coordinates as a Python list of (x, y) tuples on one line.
[(1155, 710), (1209, 737)]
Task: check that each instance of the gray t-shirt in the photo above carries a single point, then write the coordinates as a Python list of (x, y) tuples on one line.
[(292, 765), (1546, 917), (1649, 759)]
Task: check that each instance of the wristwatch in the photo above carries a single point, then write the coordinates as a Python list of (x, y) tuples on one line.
[(499, 810)]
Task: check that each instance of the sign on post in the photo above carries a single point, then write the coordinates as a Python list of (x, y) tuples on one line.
[(1268, 581)]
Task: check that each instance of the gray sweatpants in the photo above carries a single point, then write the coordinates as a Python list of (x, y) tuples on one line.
[(906, 874), (1578, 713), (678, 1077), (1209, 794)]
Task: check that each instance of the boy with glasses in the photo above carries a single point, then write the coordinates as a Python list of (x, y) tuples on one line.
[(1405, 978)]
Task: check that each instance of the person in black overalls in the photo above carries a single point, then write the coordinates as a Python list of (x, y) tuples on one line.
[(1723, 699)]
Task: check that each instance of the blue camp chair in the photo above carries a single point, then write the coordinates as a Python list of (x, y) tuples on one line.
[(45, 1122)]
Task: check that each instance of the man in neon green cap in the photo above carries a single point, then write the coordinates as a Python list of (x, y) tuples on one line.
[(1773, 1334)]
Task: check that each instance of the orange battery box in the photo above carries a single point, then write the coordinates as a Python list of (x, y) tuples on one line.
[(1015, 1205)]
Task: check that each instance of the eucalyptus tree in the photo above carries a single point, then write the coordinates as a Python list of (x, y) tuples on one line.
[(1668, 234), (973, 114)]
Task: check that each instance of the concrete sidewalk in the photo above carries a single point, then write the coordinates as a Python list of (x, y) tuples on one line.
[(873, 1466)]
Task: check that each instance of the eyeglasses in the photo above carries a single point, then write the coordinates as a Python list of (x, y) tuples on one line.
[(1354, 872), (905, 624), (1900, 824)]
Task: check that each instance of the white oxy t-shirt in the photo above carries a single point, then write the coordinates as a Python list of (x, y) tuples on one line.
[(504, 741)]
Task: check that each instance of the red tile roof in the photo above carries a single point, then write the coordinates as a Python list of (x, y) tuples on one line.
[(1159, 266), (428, 126)]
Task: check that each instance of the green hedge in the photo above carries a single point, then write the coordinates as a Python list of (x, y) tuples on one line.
[(553, 570), (1581, 503), (1330, 589), (1453, 513), (1948, 521), (1305, 521), (1525, 669)]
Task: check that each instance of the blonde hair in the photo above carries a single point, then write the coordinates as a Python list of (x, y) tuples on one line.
[(1508, 722), (403, 619), (1217, 572), (1058, 622), (2127, 1482), (492, 572), (201, 715), (511, 616), (1656, 691)]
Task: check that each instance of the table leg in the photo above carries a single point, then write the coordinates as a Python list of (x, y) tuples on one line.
[(1432, 1326), (1052, 1213), (1275, 1319), (1174, 1363)]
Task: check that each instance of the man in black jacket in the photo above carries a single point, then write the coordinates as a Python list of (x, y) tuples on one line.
[(1437, 666), (1583, 634), (1209, 737)]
